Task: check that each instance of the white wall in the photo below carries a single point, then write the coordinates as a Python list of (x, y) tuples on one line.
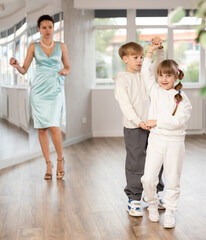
[(79, 37), (106, 114), (107, 117)]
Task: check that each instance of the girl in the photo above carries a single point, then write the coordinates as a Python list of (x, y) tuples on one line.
[(169, 111), (47, 90)]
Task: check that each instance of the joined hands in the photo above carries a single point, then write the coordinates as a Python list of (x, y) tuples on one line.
[(148, 124)]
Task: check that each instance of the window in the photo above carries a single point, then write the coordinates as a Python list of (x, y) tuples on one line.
[(10, 75), (108, 61), (150, 23), (149, 17), (1, 63), (187, 54), (189, 21), (116, 27), (110, 34), (4, 65), (144, 36), (110, 17), (12, 45)]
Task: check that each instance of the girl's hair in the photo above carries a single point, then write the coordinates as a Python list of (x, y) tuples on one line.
[(43, 18), (169, 66)]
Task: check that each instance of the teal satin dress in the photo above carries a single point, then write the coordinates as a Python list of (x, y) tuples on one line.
[(47, 89)]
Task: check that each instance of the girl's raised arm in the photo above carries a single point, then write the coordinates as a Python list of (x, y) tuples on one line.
[(148, 74)]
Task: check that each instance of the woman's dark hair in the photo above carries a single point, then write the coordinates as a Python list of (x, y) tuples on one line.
[(43, 18)]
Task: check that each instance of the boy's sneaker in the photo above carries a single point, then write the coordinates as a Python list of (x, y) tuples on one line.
[(161, 204), (134, 209), (153, 212), (169, 219)]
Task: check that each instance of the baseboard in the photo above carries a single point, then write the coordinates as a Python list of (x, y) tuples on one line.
[(108, 134), (78, 139), (120, 133), (195, 132), (34, 154)]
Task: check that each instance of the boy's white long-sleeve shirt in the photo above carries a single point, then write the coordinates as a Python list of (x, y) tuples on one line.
[(132, 95), (162, 106)]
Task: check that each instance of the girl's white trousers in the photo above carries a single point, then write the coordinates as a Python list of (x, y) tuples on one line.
[(170, 154)]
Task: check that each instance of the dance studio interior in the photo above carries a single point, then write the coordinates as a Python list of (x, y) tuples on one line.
[(89, 203)]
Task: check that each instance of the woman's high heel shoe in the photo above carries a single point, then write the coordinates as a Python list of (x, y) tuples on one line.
[(60, 174), (48, 176)]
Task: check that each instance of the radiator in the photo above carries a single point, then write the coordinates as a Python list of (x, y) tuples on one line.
[(5, 104), (196, 122)]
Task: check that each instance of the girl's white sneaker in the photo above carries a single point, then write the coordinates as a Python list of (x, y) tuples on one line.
[(169, 219), (153, 212)]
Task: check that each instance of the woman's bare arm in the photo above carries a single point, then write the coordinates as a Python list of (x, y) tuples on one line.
[(65, 59), (30, 54)]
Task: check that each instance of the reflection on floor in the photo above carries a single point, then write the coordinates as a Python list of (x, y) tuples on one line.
[(13, 140)]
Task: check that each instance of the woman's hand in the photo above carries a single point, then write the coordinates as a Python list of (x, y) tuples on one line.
[(14, 63), (63, 72), (151, 123)]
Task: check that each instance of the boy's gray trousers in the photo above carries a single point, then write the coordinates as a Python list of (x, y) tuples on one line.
[(136, 145)]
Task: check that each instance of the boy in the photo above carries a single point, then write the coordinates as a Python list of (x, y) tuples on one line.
[(132, 96)]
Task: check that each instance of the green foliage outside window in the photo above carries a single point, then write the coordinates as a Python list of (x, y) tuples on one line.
[(108, 62), (192, 73)]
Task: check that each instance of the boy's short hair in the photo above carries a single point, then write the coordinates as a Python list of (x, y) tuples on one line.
[(130, 48)]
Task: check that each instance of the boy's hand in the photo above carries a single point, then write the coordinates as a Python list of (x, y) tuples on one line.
[(144, 126), (151, 123)]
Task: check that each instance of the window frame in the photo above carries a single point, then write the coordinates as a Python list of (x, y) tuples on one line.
[(131, 28)]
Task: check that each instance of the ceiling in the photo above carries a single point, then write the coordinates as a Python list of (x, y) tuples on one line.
[(12, 11), (8, 7)]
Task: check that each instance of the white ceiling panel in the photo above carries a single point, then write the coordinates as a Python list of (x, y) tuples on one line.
[(132, 4)]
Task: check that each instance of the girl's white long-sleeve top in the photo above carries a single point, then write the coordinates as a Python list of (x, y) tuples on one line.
[(162, 106), (132, 95)]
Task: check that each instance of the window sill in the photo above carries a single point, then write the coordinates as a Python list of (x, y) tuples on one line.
[(185, 86), (14, 87), (104, 86)]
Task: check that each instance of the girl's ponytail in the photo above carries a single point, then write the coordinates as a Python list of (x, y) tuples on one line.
[(178, 87)]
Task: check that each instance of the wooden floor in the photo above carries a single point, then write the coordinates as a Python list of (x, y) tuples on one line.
[(90, 203)]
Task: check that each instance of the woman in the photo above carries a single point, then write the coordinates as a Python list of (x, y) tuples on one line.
[(47, 90)]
